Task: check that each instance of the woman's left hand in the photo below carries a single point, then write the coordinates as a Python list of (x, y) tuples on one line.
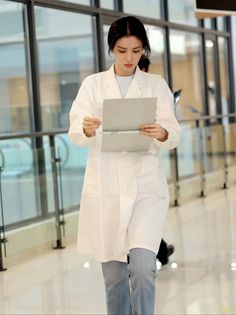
[(155, 131)]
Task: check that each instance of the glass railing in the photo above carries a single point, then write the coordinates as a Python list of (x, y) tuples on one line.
[(205, 157), (27, 177), (70, 171), (42, 173), (19, 183)]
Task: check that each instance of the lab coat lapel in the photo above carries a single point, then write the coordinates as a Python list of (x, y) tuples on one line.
[(112, 89), (136, 86)]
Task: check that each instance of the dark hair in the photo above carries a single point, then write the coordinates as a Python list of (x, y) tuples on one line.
[(144, 63), (128, 26)]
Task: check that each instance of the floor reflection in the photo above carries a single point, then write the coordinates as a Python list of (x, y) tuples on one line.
[(199, 279)]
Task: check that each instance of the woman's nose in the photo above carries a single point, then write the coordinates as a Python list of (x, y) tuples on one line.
[(128, 56)]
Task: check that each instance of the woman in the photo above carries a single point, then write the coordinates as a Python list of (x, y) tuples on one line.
[(125, 194)]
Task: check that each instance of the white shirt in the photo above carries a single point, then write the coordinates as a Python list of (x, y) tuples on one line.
[(124, 83)]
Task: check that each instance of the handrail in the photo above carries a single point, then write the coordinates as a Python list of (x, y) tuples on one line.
[(64, 130), (207, 117), (33, 134)]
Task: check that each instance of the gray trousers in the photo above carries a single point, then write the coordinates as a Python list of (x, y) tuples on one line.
[(130, 289)]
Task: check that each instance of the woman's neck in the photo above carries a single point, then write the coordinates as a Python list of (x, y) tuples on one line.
[(120, 73)]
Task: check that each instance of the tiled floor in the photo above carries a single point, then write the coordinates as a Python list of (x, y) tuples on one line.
[(200, 278)]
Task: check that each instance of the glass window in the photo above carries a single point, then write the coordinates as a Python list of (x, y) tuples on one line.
[(107, 4), (148, 8), (14, 103), (207, 23), (156, 39), (221, 23), (186, 72), (66, 56), (183, 13), (108, 58)]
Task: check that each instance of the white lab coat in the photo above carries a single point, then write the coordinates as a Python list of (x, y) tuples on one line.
[(125, 194)]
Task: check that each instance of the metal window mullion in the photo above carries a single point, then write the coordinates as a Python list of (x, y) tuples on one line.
[(100, 43), (231, 69), (167, 52), (33, 64), (205, 78), (168, 70), (228, 74), (95, 3), (214, 24), (34, 92), (167, 58), (28, 69), (217, 79), (164, 10), (200, 23), (118, 5)]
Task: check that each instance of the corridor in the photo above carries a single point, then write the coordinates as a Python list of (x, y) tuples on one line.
[(199, 279)]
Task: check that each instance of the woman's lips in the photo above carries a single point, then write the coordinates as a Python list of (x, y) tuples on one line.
[(128, 65)]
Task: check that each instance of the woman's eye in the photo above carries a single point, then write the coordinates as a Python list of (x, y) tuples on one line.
[(121, 51), (136, 51)]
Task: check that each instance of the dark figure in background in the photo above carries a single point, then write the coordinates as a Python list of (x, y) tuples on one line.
[(165, 250)]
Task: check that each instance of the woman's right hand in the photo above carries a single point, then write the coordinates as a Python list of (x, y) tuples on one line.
[(90, 124)]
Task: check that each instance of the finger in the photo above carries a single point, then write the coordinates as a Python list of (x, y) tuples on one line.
[(90, 125), (90, 122), (151, 130), (147, 134), (91, 119), (145, 126), (154, 134)]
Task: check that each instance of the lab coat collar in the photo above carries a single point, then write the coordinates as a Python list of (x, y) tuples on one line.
[(112, 89)]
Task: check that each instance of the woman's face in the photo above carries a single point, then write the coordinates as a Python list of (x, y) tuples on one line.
[(127, 53)]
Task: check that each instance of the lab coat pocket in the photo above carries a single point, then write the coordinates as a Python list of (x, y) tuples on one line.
[(152, 179)]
